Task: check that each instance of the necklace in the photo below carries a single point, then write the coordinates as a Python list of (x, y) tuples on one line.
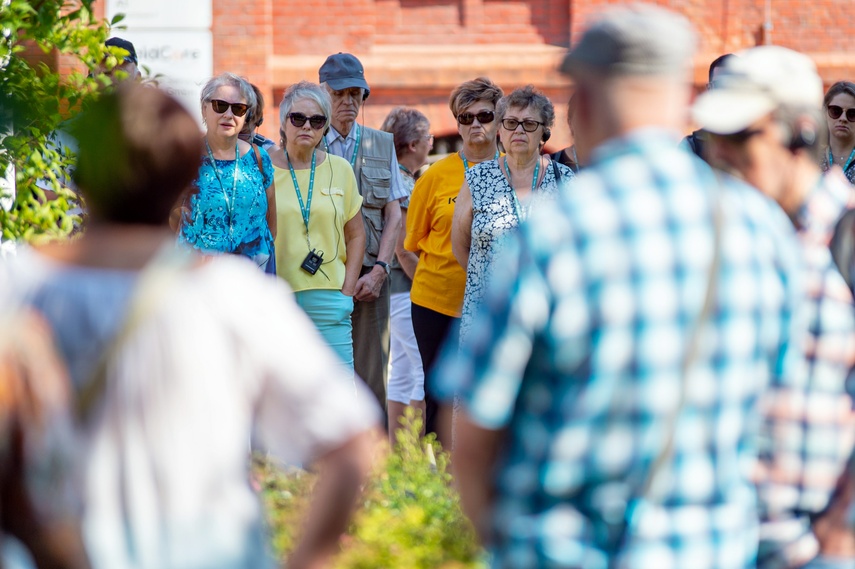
[(466, 162), (220, 180), (405, 170), (521, 212), (848, 160)]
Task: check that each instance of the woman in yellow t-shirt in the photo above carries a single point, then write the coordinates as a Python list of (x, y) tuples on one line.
[(437, 291), (320, 246)]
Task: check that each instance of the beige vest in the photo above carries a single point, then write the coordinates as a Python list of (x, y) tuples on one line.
[(374, 178)]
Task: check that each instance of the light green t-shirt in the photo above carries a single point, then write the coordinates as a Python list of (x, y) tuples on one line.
[(335, 200)]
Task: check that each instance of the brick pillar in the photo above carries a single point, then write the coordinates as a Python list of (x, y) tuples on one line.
[(243, 44)]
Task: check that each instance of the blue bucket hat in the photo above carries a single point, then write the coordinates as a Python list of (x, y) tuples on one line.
[(343, 71)]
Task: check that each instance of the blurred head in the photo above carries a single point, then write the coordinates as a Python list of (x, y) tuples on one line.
[(526, 117), (473, 104), (254, 116), (343, 76), (139, 149), (631, 69), (839, 105), (411, 130), (304, 115), (762, 115)]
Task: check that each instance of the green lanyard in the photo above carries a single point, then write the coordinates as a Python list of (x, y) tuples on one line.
[(466, 162), (355, 146), (848, 161), (220, 180), (303, 209), (517, 208)]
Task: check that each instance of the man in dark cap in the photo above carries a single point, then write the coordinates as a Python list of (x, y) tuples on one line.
[(127, 56), (608, 387), (371, 153)]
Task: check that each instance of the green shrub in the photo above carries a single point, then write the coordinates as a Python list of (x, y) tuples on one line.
[(410, 516)]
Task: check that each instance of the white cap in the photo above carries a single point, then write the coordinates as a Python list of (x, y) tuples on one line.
[(753, 85)]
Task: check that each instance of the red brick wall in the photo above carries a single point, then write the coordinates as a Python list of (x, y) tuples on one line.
[(243, 34)]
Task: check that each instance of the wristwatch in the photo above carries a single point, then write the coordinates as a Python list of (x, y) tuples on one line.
[(385, 266)]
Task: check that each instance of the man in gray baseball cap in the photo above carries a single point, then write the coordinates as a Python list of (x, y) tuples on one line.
[(765, 116), (371, 153), (607, 388)]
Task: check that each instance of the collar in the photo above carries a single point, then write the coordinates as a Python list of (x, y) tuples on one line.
[(333, 134), (641, 140)]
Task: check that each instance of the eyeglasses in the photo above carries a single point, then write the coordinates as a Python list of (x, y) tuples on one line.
[(317, 122), (835, 111), (220, 106), (528, 125), (429, 138), (483, 117)]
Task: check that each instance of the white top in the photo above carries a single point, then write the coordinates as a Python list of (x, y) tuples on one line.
[(164, 462)]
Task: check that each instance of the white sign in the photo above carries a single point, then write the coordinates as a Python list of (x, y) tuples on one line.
[(186, 14), (180, 61)]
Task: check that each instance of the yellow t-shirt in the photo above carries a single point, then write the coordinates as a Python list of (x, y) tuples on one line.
[(335, 200), (439, 280)]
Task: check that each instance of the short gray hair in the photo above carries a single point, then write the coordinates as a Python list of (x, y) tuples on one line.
[(526, 97), (228, 79), (406, 125), (304, 90)]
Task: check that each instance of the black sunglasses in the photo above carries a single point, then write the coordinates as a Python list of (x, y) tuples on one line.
[(483, 117), (220, 106), (317, 122), (529, 125), (835, 111)]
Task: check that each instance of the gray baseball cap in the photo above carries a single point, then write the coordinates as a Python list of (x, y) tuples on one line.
[(343, 71), (756, 83), (634, 40)]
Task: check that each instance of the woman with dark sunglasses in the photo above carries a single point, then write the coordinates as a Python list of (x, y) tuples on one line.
[(232, 206), (498, 194), (437, 289), (840, 114), (319, 210)]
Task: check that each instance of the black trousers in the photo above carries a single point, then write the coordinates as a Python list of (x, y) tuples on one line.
[(432, 329)]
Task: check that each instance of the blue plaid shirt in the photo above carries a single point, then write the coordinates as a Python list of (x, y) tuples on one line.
[(577, 351)]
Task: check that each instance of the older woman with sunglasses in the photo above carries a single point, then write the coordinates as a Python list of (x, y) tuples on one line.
[(319, 250), (437, 289), (840, 112), (498, 194), (232, 208)]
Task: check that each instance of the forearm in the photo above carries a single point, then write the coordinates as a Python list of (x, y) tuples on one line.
[(355, 248), (408, 261), (342, 473), (473, 459), (391, 228)]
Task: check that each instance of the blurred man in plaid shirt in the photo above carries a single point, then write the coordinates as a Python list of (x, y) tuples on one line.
[(765, 116), (642, 343)]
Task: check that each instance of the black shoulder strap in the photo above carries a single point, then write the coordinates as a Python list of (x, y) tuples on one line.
[(556, 171)]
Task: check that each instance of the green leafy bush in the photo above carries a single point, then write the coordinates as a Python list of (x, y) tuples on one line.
[(36, 100), (410, 516)]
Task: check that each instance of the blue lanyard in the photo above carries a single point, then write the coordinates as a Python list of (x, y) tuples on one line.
[(848, 160), (303, 209), (466, 162), (517, 208), (355, 146), (220, 180)]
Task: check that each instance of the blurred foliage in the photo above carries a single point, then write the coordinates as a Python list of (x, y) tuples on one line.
[(35, 102), (410, 516)]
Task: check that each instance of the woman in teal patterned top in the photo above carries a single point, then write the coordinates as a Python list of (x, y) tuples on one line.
[(232, 208)]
